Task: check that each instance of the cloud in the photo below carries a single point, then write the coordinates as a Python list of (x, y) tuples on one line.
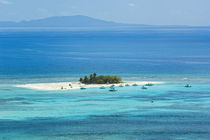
[(131, 4), (5, 2)]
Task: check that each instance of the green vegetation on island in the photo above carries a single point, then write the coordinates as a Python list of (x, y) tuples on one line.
[(94, 79)]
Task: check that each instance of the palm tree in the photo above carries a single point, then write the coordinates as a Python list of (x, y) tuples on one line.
[(91, 78), (81, 80), (86, 80), (94, 75)]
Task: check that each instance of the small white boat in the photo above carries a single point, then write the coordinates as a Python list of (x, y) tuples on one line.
[(134, 85), (143, 87), (112, 90), (103, 87), (82, 88), (121, 86), (187, 85), (149, 84), (112, 86)]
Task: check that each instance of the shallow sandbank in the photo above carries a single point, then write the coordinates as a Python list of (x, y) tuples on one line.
[(77, 85)]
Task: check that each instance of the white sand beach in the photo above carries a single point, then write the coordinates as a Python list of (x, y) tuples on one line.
[(77, 85)]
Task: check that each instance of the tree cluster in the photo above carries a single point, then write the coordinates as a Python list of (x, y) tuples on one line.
[(94, 79)]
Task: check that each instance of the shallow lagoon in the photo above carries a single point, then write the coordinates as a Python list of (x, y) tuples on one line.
[(177, 113)]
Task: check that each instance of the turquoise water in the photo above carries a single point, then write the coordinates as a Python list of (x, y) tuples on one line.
[(176, 113), (175, 57)]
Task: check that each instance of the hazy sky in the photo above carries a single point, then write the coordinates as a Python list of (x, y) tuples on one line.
[(155, 12)]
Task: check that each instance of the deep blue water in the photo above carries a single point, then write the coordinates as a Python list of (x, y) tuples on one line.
[(172, 56), (166, 52)]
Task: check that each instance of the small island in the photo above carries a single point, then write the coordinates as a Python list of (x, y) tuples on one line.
[(94, 79)]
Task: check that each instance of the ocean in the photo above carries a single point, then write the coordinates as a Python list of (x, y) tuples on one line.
[(174, 56)]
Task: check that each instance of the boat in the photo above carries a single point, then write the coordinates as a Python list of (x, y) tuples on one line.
[(82, 88), (149, 84), (143, 87), (120, 85), (103, 87), (187, 85), (134, 85), (112, 86), (127, 85), (112, 90)]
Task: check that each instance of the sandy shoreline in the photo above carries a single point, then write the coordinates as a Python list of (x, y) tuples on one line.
[(77, 85)]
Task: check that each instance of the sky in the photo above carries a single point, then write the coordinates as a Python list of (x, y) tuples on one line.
[(152, 12)]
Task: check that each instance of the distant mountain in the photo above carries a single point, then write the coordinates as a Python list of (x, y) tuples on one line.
[(63, 21), (80, 22)]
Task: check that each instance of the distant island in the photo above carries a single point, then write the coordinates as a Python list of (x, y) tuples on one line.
[(76, 22), (94, 79), (63, 22)]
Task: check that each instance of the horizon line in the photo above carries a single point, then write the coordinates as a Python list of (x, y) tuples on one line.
[(134, 24)]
